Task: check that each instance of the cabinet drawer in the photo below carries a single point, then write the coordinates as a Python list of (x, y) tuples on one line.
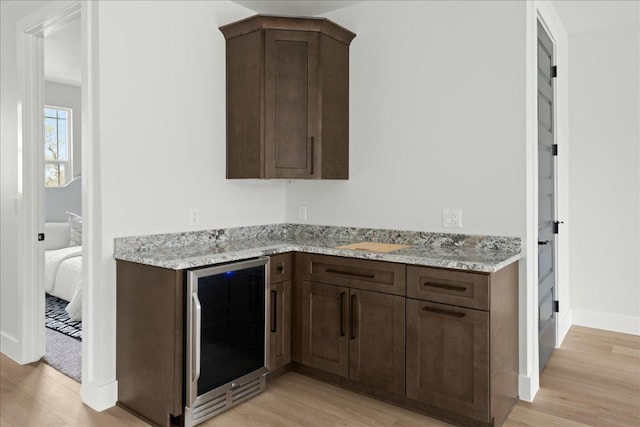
[(281, 267), (370, 275), (459, 288)]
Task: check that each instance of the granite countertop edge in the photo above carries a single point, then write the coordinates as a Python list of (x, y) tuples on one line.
[(208, 257)]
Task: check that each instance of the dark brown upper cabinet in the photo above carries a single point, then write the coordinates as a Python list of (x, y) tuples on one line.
[(287, 98)]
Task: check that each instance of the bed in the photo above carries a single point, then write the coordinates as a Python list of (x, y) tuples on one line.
[(63, 264)]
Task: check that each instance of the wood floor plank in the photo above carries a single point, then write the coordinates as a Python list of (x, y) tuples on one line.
[(593, 380), (5, 423), (627, 351), (523, 416), (25, 411)]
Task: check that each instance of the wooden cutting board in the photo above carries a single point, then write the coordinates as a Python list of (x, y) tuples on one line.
[(374, 247)]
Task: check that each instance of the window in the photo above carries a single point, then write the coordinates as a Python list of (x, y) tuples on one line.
[(57, 146)]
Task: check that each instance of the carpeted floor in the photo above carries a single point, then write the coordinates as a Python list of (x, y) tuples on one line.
[(64, 354), (56, 317), (63, 349)]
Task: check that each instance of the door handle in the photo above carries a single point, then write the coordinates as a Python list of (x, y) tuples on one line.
[(444, 286), (274, 311), (353, 317), (445, 312), (311, 148), (543, 242), (342, 295), (197, 330), (350, 273)]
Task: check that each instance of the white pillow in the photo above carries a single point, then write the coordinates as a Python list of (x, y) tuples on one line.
[(56, 235), (75, 229)]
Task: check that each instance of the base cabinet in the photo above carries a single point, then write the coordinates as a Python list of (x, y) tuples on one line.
[(150, 341), (462, 342), (281, 270), (350, 332), (444, 342), (280, 325), (448, 358)]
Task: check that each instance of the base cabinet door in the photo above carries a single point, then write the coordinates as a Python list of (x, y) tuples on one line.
[(325, 340), (448, 358), (280, 325), (376, 332)]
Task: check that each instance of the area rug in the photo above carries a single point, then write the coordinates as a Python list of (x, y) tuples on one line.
[(64, 354), (56, 318)]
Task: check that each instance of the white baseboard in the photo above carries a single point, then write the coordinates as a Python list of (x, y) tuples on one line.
[(563, 328), (528, 386), (10, 347), (99, 396), (606, 321)]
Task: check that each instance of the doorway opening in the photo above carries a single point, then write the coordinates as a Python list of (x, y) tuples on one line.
[(62, 198)]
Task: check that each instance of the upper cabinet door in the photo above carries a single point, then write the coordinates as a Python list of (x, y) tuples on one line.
[(291, 104)]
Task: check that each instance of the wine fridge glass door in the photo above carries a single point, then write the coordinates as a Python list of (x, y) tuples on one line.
[(226, 325)]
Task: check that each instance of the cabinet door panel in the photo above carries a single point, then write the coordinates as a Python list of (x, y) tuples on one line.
[(377, 355), (291, 98), (280, 325), (325, 340), (448, 357)]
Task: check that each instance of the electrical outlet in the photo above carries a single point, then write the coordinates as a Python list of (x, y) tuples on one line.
[(452, 218), (302, 212), (194, 216)]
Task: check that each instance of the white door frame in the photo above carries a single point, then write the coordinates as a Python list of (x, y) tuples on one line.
[(31, 32), (99, 388), (543, 11)]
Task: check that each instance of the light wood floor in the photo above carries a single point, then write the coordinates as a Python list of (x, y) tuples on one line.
[(593, 380)]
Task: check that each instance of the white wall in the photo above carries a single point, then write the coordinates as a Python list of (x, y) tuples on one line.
[(162, 139), (604, 119), (437, 120), (10, 184), (62, 95)]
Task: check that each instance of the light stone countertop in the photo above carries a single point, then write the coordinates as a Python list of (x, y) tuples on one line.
[(189, 250)]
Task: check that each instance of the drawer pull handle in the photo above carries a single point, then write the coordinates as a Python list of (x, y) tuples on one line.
[(274, 311), (447, 287), (342, 295), (353, 316), (281, 268), (445, 312), (350, 273)]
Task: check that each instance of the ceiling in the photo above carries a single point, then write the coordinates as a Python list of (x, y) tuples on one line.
[(294, 8), (62, 58)]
